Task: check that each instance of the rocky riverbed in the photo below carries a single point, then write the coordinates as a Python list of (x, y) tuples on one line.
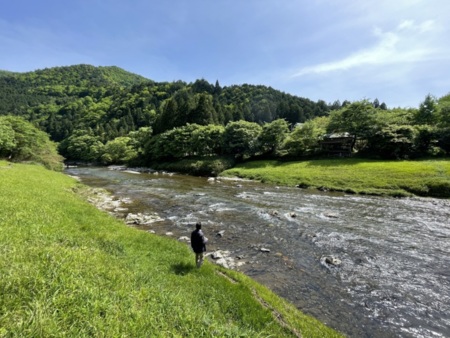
[(367, 266), (118, 207)]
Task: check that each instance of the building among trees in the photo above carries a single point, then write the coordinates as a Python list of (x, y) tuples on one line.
[(338, 144)]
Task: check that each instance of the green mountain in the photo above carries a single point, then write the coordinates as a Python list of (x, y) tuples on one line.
[(21, 91), (78, 75), (110, 102), (84, 108), (6, 73)]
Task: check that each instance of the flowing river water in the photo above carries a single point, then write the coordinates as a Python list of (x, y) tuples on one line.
[(392, 277)]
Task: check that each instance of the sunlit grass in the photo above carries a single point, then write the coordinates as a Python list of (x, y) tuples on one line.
[(69, 270), (396, 178)]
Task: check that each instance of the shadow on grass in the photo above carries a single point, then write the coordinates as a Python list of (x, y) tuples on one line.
[(182, 268)]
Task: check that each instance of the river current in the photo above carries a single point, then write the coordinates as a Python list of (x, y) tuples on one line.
[(392, 271)]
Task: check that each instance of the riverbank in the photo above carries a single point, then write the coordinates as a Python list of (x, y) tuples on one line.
[(388, 276), (70, 270), (430, 178), (425, 178)]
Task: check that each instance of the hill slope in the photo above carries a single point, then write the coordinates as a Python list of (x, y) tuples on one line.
[(21, 91), (109, 102)]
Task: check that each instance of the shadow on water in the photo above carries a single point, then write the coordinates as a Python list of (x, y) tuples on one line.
[(182, 269)]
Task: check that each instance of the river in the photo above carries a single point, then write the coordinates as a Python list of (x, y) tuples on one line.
[(392, 271)]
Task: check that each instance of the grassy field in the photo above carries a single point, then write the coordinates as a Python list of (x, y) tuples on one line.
[(394, 178), (69, 270)]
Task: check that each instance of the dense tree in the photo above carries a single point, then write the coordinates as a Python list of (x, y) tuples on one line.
[(83, 147), (175, 143), (397, 116), (217, 88), (85, 107), (241, 138), (119, 151), (204, 113), (443, 139), (393, 142), (291, 112), (139, 138), (186, 102), (427, 113), (335, 105), (444, 118), (357, 118), (208, 140), (21, 141), (426, 139), (168, 117), (273, 135), (7, 138), (376, 103), (305, 139), (203, 86)]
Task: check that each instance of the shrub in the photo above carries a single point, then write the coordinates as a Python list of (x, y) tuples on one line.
[(20, 141)]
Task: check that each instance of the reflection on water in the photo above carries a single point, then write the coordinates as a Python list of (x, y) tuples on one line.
[(393, 279)]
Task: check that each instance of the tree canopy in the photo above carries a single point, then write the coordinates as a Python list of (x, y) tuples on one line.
[(21, 141), (108, 115)]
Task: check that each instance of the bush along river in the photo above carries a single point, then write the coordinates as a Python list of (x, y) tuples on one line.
[(366, 266)]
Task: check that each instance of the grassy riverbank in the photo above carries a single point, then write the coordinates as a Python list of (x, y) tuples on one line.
[(69, 270), (352, 175)]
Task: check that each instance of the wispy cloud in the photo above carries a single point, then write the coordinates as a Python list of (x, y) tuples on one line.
[(407, 43)]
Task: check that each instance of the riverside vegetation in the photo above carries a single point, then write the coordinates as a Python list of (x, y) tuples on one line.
[(70, 270), (106, 115), (363, 176), (110, 116), (426, 177)]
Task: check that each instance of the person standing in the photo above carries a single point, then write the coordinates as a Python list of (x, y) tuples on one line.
[(198, 244)]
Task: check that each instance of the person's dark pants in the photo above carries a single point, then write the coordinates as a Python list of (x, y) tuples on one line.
[(199, 259)]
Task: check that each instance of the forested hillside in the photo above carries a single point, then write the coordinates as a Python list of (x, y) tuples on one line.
[(105, 114), (111, 100), (108, 102)]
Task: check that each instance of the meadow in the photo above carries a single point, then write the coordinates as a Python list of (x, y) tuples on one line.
[(70, 270), (354, 175)]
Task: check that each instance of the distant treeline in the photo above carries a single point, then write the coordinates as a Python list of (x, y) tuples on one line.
[(108, 115)]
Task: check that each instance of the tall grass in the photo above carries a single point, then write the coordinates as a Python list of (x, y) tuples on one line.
[(69, 270), (395, 178)]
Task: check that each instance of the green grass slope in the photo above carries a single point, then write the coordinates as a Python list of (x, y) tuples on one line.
[(394, 178), (69, 270)]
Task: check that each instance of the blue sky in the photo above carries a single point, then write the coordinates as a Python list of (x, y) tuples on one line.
[(395, 50)]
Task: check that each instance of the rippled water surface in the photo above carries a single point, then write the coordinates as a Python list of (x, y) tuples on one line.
[(394, 276)]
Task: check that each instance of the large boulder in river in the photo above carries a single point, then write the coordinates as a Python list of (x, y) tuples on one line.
[(142, 219), (331, 261), (224, 259)]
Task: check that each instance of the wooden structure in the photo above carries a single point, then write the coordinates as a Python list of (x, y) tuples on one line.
[(338, 144)]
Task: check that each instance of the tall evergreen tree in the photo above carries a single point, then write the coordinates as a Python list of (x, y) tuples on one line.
[(204, 113), (428, 111)]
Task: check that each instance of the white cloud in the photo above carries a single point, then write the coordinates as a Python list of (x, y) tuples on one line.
[(408, 43), (406, 24)]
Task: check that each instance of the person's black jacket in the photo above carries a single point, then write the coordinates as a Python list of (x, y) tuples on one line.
[(198, 241)]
